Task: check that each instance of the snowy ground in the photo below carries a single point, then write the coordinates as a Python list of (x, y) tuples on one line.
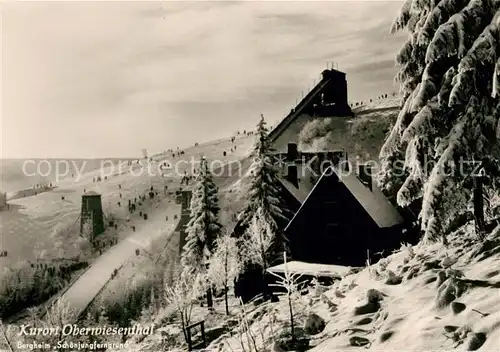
[(83, 291), (417, 313), (137, 267), (430, 298), (410, 317), (420, 289), (360, 136)]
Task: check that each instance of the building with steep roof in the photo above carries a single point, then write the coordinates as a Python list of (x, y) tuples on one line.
[(344, 220), (340, 216)]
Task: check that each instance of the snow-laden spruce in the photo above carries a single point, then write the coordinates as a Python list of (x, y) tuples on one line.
[(449, 72), (264, 192), (204, 227)]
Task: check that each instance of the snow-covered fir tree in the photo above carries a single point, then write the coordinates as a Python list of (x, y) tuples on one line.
[(264, 192), (204, 226), (450, 113)]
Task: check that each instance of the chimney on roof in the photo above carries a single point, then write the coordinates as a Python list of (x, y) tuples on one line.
[(292, 174), (292, 153), (365, 175), (336, 155)]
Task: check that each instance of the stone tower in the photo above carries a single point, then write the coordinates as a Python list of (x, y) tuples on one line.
[(92, 213)]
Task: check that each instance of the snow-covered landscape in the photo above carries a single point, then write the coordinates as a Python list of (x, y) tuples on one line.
[(367, 217)]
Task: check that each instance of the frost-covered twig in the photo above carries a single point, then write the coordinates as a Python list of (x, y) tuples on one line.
[(246, 338), (183, 294), (224, 266), (5, 337), (289, 282)]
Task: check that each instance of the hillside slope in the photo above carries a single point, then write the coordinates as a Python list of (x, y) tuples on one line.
[(361, 136), (45, 227), (34, 223), (233, 182)]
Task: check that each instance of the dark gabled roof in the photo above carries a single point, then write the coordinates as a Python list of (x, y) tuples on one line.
[(305, 185), (300, 194), (373, 201), (378, 207)]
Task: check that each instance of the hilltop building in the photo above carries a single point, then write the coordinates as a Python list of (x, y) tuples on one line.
[(341, 217), (346, 217)]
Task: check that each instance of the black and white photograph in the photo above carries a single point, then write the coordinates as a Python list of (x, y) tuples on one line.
[(250, 176)]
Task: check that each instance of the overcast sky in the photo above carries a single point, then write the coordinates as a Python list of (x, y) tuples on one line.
[(98, 79)]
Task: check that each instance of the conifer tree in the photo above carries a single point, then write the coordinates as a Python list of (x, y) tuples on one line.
[(204, 226), (449, 73), (264, 193)]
